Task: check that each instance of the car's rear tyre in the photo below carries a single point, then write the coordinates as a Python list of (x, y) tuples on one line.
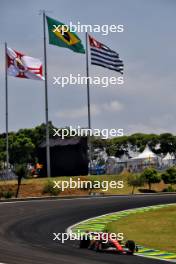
[(98, 247), (84, 243), (130, 244)]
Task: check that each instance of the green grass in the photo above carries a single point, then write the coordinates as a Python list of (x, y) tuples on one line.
[(34, 184), (61, 178), (154, 229), (42, 182)]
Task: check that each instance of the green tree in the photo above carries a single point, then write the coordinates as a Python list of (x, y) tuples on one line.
[(21, 149), (135, 180), (117, 146), (169, 176), (150, 176), (167, 143)]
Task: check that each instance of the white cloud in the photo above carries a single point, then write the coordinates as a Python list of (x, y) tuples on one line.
[(142, 128), (113, 106), (96, 109), (155, 124)]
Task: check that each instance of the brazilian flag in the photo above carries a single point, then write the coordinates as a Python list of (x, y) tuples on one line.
[(59, 37)]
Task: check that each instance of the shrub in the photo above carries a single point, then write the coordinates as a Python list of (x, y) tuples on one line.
[(49, 188), (169, 189), (8, 194)]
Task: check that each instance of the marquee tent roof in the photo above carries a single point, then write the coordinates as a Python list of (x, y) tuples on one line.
[(146, 154), (168, 157)]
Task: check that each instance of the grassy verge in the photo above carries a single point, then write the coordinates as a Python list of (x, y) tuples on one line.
[(34, 187), (154, 229)]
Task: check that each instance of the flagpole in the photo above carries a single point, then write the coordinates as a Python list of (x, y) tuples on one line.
[(46, 101), (6, 106), (88, 99), (88, 83)]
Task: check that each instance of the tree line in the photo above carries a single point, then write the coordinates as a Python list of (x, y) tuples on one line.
[(152, 176), (24, 143)]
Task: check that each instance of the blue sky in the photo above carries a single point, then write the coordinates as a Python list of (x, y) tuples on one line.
[(146, 101)]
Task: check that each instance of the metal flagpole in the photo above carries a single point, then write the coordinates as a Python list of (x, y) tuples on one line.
[(6, 100), (46, 101), (88, 99), (88, 83)]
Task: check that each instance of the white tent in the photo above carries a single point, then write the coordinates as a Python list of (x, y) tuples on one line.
[(124, 158), (168, 160), (168, 157), (146, 154)]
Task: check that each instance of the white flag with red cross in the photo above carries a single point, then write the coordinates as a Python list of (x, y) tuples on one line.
[(23, 66)]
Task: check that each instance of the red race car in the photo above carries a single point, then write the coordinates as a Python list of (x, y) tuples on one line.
[(107, 244)]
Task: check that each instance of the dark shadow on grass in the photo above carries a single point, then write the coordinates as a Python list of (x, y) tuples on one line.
[(146, 191)]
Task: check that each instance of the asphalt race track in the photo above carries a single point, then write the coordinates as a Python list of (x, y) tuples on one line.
[(26, 229)]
